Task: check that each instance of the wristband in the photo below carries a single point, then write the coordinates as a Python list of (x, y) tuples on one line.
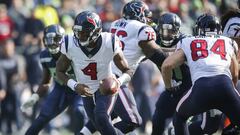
[(72, 84), (35, 97), (124, 79)]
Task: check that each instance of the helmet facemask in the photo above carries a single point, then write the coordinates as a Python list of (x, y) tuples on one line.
[(168, 33), (53, 41)]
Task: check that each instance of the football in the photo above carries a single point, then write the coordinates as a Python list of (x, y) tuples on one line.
[(108, 86)]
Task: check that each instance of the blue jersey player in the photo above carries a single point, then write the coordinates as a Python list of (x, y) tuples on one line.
[(60, 97), (168, 37)]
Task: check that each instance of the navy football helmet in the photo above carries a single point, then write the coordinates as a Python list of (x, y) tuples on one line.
[(136, 10), (53, 37), (87, 27), (168, 28), (207, 24)]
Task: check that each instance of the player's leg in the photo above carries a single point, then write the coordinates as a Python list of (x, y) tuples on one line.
[(89, 106), (50, 109), (88, 128), (79, 114), (231, 103), (196, 101), (165, 108), (102, 111), (209, 123), (126, 109)]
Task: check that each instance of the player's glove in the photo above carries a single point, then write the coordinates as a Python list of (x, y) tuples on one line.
[(30, 102)]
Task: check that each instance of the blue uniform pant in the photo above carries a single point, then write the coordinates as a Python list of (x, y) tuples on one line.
[(98, 109), (56, 102), (208, 93), (126, 108), (165, 108)]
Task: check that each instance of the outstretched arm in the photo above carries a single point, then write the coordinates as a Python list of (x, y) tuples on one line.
[(62, 66), (176, 59), (41, 91), (153, 52), (122, 64)]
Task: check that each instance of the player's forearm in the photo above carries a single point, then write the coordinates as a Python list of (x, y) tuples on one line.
[(167, 75), (62, 66), (43, 89), (125, 77), (62, 76)]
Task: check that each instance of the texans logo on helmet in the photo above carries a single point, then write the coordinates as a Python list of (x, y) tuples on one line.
[(91, 21)]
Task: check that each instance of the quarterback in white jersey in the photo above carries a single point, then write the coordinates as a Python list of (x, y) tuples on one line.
[(214, 71), (90, 52), (92, 67)]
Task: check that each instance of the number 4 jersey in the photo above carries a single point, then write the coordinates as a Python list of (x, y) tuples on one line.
[(208, 55), (91, 66)]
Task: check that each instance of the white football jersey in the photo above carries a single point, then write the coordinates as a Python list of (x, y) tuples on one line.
[(232, 27), (130, 32), (92, 66), (208, 55)]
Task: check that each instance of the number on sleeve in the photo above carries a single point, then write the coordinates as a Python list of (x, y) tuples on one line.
[(91, 70), (151, 35), (199, 49)]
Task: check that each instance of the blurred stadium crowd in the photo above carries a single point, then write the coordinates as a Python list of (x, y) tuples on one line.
[(21, 31)]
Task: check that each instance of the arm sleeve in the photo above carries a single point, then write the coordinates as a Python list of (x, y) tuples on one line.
[(65, 47), (117, 45)]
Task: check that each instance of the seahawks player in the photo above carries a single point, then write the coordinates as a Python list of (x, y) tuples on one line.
[(168, 36), (60, 97)]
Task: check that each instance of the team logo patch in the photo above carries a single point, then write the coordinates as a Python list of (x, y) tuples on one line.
[(90, 20)]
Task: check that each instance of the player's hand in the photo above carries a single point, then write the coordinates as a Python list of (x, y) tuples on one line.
[(30, 102), (118, 82), (174, 91), (83, 89)]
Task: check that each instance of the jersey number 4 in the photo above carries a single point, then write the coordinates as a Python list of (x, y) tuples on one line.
[(200, 51), (91, 70)]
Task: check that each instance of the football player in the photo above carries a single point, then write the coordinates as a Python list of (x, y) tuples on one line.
[(214, 72), (168, 36), (231, 28), (90, 52), (230, 22), (138, 41), (60, 97)]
